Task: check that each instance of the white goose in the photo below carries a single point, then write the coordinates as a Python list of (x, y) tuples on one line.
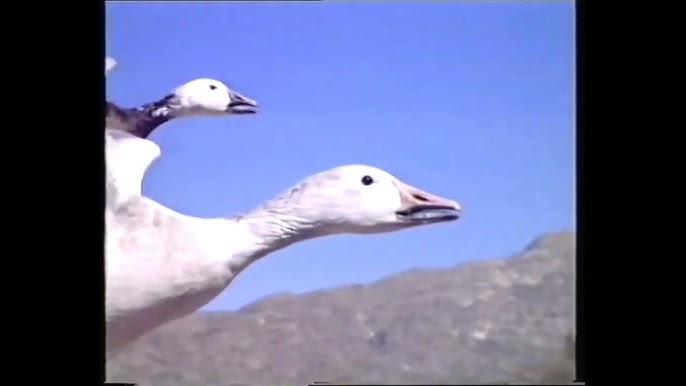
[(162, 265), (199, 97), (125, 154)]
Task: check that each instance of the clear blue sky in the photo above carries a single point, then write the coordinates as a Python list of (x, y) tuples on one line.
[(472, 101)]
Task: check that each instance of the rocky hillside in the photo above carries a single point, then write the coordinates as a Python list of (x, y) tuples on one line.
[(508, 320)]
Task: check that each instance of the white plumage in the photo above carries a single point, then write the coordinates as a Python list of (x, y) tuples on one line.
[(162, 265)]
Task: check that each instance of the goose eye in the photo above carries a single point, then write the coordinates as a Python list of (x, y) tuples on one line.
[(213, 87), (367, 180)]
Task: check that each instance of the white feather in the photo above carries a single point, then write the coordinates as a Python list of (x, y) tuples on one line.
[(127, 160)]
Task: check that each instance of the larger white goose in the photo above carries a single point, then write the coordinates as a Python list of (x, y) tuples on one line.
[(162, 265)]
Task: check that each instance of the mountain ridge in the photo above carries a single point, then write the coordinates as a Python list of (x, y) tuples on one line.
[(501, 320)]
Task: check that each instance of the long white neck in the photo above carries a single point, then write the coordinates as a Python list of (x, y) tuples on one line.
[(265, 231)]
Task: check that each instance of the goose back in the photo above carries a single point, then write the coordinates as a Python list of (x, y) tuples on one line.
[(127, 160)]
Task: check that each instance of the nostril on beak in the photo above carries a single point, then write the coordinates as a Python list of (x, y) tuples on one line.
[(238, 98), (420, 198)]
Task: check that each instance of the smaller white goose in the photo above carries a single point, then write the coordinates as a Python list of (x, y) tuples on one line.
[(129, 154), (162, 265), (199, 97)]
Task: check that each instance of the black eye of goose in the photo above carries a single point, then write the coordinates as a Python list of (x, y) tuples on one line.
[(213, 87), (367, 180)]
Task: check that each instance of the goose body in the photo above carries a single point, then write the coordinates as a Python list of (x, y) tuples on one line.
[(162, 265)]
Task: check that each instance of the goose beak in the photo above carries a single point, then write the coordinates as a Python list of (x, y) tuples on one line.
[(419, 207), (241, 104)]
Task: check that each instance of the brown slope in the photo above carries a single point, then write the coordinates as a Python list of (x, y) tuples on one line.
[(496, 321)]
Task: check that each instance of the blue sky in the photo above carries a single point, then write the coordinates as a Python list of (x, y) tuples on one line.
[(468, 100)]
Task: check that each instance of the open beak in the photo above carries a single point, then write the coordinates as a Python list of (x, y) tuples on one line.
[(420, 207), (241, 104)]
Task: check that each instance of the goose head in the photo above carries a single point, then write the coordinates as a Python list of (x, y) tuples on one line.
[(206, 96), (359, 199)]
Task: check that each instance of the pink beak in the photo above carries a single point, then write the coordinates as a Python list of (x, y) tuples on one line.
[(417, 205)]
